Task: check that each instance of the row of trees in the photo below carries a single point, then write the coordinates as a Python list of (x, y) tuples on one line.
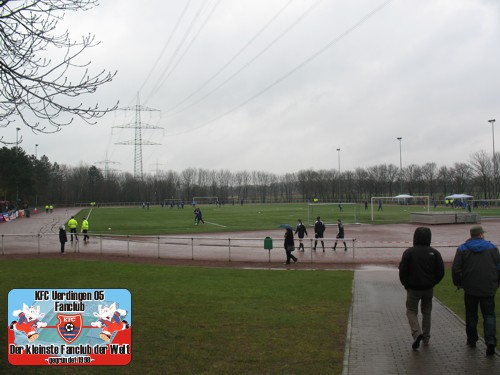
[(35, 181)]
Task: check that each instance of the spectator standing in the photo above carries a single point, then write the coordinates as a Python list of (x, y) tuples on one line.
[(63, 238), (476, 269), (420, 269), (301, 230), (319, 231), (289, 245)]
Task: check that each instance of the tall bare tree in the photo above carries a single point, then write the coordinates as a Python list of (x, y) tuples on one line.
[(482, 165), (36, 86)]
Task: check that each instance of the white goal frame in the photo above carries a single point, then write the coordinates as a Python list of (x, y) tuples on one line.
[(206, 200), (312, 219), (396, 198)]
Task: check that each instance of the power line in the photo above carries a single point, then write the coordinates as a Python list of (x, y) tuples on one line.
[(253, 59), (235, 56), (293, 70), (189, 45), (176, 51), (167, 43)]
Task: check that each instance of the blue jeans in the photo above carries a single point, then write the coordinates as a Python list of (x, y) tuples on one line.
[(487, 305)]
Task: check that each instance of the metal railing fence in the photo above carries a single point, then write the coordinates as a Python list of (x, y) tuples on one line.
[(212, 248)]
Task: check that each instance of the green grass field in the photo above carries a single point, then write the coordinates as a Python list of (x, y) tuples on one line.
[(213, 321), (157, 220)]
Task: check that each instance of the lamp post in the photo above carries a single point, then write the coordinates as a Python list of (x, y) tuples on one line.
[(492, 122), (36, 158), (400, 167), (338, 153), (17, 150), (17, 139)]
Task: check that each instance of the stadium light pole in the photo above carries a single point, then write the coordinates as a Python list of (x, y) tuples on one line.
[(17, 139), (492, 122), (400, 167), (17, 150), (36, 150), (338, 153)]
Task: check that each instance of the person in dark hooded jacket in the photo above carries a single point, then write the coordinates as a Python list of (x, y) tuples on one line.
[(420, 269), (476, 269)]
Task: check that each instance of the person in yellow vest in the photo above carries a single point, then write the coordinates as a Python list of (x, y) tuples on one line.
[(85, 229), (51, 208), (72, 224), (46, 208)]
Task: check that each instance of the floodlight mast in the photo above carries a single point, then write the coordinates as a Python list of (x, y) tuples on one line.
[(338, 152), (400, 167), (492, 122)]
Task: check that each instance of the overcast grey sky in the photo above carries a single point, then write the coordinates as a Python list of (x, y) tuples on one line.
[(280, 85)]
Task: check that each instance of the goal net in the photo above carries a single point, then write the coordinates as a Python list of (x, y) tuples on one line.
[(204, 200), (398, 205), (330, 212)]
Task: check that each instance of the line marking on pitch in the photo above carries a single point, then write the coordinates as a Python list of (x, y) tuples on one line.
[(219, 225)]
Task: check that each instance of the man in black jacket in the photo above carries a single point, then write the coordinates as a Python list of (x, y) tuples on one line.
[(420, 269), (476, 269), (319, 230), (301, 230)]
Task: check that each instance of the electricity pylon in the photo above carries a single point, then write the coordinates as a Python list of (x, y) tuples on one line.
[(138, 141)]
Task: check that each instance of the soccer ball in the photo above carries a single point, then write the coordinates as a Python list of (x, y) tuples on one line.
[(69, 327), (109, 228)]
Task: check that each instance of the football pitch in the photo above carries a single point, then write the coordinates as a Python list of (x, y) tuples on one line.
[(207, 321), (161, 221)]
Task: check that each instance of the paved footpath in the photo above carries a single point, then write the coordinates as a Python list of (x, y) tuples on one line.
[(379, 339)]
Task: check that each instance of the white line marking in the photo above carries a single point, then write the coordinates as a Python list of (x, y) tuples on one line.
[(219, 225)]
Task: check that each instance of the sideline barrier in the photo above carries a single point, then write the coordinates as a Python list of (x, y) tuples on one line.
[(223, 249)]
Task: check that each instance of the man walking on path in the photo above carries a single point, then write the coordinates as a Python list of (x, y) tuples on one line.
[(340, 235), (72, 224), (85, 229), (301, 230), (319, 230), (476, 269), (420, 269)]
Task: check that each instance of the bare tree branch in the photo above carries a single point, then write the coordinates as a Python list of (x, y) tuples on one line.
[(32, 84)]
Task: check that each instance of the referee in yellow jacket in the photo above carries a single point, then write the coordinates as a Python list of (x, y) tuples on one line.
[(85, 229), (72, 224)]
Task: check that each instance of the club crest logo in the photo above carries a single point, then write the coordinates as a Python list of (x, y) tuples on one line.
[(69, 326)]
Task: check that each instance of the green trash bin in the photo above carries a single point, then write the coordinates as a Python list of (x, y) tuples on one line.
[(268, 243)]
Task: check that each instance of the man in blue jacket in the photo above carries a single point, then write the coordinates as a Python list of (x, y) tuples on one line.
[(476, 269), (420, 269)]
